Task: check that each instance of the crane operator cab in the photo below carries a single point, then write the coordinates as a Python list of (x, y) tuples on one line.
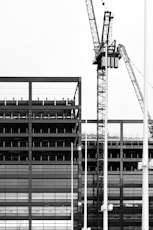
[(113, 56)]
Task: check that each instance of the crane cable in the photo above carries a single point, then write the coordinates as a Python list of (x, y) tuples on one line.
[(141, 73)]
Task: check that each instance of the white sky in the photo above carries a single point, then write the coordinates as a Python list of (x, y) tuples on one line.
[(53, 38)]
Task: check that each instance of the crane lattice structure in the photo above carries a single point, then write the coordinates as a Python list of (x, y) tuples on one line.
[(113, 55), (100, 48), (123, 53), (93, 25)]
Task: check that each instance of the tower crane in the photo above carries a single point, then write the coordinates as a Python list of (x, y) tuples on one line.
[(113, 55), (101, 48)]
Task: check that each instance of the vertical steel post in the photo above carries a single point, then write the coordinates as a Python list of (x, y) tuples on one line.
[(121, 175), (72, 215), (145, 193), (105, 205), (85, 181), (79, 157), (30, 155)]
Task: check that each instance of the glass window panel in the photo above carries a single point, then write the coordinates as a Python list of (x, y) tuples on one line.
[(134, 216), (23, 211), (114, 191), (113, 216), (132, 179), (7, 169), (13, 224), (150, 190), (53, 183), (23, 196), (114, 228), (13, 183), (11, 197), (62, 211), (60, 195), (132, 203), (2, 196), (49, 195), (56, 169), (53, 196), (51, 224), (13, 211), (49, 211), (75, 195), (90, 191), (37, 211), (2, 211), (133, 192), (131, 227), (37, 196), (116, 203)]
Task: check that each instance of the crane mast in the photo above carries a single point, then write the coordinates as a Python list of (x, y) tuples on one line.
[(101, 105), (101, 48)]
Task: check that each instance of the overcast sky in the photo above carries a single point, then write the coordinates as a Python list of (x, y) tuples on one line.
[(53, 38)]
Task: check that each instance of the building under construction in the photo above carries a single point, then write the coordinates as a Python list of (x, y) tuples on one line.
[(124, 181), (35, 171), (35, 158)]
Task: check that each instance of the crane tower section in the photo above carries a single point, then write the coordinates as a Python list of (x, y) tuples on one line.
[(101, 48), (112, 55)]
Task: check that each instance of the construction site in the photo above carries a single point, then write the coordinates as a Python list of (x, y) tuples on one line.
[(61, 170)]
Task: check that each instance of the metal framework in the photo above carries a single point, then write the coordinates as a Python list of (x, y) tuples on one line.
[(107, 28), (32, 134), (134, 81), (133, 78), (124, 155), (93, 25), (105, 55), (101, 114), (40, 79)]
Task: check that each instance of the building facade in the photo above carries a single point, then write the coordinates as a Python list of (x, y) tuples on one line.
[(36, 139), (35, 159), (124, 180)]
